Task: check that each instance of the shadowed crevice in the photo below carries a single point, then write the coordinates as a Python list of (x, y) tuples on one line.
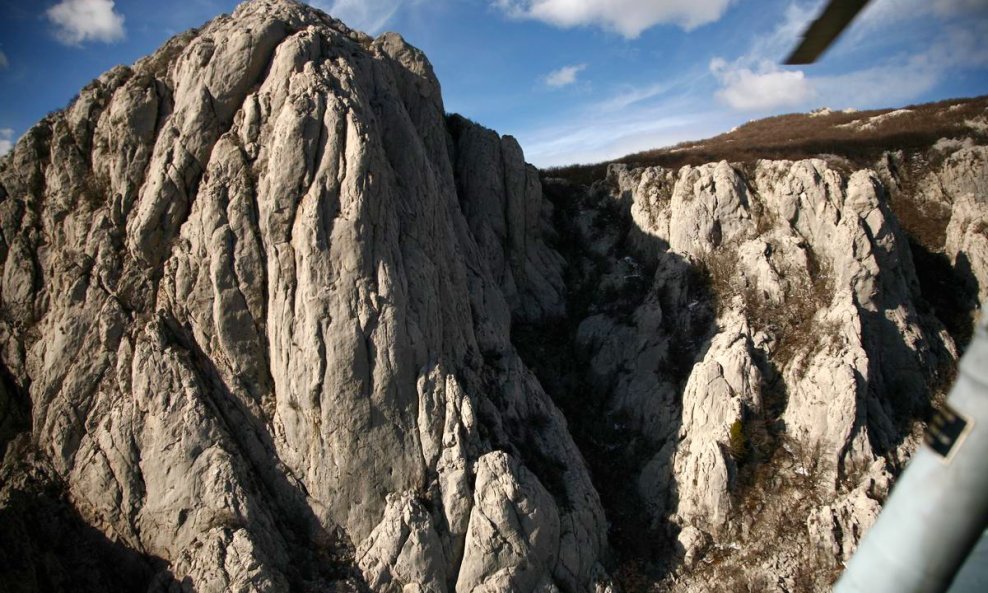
[(47, 547)]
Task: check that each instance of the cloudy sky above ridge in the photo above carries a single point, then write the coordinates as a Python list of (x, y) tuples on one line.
[(573, 80)]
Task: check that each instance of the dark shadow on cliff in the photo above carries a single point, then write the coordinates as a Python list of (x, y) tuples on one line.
[(949, 291), (611, 440), (15, 408), (46, 547), (320, 559)]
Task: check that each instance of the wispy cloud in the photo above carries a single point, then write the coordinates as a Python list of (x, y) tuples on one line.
[(880, 13), (753, 81), (564, 76), (371, 16), (4, 62), (782, 39), (630, 120), (631, 95), (625, 17), (627, 119), (579, 140), (78, 21), (882, 20), (904, 78), (6, 140)]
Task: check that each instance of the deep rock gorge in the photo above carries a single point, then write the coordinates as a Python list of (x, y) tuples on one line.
[(271, 320)]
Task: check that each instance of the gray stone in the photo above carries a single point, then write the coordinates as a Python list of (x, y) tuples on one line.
[(259, 294)]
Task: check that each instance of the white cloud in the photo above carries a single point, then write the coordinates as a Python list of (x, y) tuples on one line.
[(754, 82), (626, 17), (884, 12), (370, 16), (4, 62), (77, 21), (905, 78), (6, 140), (766, 87), (564, 76)]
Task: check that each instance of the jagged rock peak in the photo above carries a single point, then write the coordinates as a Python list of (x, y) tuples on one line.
[(292, 279)]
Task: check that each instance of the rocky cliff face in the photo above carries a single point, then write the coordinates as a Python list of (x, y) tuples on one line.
[(272, 321), (766, 348), (256, 311)]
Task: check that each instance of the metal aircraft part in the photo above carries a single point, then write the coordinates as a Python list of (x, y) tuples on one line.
[(938, 509), (825, 29)]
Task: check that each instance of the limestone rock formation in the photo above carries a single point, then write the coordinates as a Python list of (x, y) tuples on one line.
[(772, 372), (256, 304), (967, 242)]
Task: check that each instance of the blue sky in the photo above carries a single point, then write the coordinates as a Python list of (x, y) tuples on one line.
[(573, 80)]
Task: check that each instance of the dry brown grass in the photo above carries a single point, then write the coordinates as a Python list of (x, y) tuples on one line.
[(770, 513), (632, 576), (788, 323), (926, 222), (798, 136)]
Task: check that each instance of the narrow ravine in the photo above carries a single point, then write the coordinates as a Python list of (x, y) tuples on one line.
[(610, 272)]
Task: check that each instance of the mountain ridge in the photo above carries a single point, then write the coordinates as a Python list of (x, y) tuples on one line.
[(848, 138)]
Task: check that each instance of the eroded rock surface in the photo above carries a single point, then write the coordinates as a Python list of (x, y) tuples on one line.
[(256, 299), (765, 348)]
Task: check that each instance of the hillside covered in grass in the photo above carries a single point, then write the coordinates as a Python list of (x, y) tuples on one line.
[(858, 137)]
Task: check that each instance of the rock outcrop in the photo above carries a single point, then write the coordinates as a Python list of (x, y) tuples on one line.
[(256, 305), (967, 243), (772, 372)]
